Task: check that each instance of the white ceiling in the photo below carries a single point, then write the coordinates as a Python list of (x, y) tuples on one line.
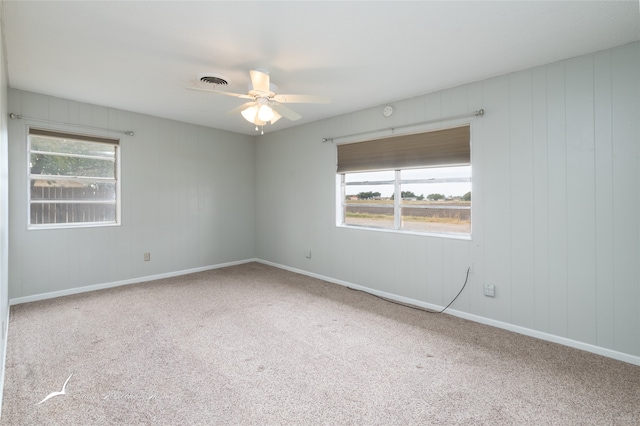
[(140, 56)]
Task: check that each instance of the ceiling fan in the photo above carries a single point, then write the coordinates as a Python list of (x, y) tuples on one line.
[(265, 105)]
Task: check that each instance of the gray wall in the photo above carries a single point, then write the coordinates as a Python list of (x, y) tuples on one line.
[(188, 198), (556, 204), (4, 204)]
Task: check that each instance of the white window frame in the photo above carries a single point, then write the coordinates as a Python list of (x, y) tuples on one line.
[(341, 194), (81, 137)]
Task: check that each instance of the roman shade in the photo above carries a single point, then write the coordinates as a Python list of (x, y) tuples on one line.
[(436, 148), (73, 136)]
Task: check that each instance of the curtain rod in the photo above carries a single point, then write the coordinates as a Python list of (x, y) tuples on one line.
[(479, 112), (20, 117)]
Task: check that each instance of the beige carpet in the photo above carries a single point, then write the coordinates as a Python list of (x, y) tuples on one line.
[(252, 344)]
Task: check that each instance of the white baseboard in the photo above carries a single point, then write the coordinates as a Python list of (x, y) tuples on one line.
[(5, 332), (51, 295), (620, 356)]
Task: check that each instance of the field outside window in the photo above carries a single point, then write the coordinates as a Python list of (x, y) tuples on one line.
[(432, 200)]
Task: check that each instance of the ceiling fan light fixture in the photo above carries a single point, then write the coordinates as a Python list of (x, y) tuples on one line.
[(276, 117), (250, 113), (265, 113)]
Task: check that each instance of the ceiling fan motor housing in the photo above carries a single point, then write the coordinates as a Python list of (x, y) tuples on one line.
[(273, 89)]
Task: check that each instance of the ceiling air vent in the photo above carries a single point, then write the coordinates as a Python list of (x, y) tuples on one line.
[(217, 80)]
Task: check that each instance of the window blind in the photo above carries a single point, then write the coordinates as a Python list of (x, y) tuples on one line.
[(435, 148), (73, 136)]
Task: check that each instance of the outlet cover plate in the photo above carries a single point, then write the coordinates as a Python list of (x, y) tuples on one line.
[(490, 290)]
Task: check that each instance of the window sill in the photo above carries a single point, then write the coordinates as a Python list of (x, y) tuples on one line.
[(464, 237), (82, 225)]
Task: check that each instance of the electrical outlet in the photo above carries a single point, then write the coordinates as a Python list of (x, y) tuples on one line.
[(147, 257), (307, 254), (490, 290)]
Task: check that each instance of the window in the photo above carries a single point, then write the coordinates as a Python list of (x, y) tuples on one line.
[(417, 183), (73, 180)]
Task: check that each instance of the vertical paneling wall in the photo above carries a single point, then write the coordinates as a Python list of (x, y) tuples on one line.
[(556, 193), (188, 198), (4, 202)]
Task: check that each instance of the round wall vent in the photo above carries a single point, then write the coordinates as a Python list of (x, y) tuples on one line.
[(214, 79)]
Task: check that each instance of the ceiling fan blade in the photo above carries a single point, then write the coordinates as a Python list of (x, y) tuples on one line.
[(302, 99), (285, 112), (241, 108), (259, 81), (218, 92)]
